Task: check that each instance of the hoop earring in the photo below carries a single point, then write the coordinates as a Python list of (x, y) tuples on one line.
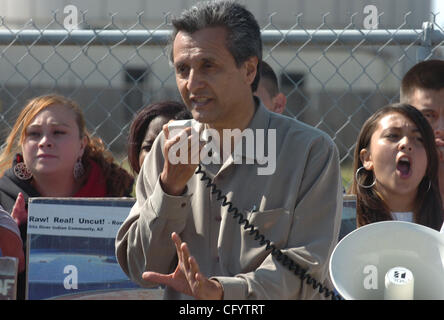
[(79, 170), (361, 185), (22, 172)]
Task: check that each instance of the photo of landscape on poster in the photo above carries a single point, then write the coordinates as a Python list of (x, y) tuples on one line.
[(70, 247)]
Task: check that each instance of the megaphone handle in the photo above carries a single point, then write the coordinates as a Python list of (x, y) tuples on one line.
[(277, 253)]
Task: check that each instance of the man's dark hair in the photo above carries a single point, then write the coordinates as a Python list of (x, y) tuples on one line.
[(243, 32), (428, 75), (269, 79)]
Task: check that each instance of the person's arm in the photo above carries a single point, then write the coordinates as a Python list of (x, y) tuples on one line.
[(11, 246), (10, 242), (144, 241), (314, 233), (187, 277)]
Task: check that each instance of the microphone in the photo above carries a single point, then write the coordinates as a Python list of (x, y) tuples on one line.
[(399, 284), (389, 260)]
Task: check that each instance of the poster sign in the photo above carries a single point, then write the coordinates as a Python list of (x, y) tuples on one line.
[(8, 278), (70, 246)]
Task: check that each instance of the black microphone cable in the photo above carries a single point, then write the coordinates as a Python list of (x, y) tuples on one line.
[(277, 253)]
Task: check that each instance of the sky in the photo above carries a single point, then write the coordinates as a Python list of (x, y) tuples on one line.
[(438, 6)]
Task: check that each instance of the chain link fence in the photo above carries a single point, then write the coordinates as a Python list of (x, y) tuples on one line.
[(333, 79)]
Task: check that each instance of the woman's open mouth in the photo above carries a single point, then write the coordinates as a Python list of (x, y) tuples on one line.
[(403, 166)]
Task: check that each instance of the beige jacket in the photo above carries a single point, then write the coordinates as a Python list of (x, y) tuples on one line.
[(298, 208)]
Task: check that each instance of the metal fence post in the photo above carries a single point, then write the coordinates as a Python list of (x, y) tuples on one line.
[(424, 50)]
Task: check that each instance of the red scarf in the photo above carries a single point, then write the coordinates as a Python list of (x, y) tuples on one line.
[(95, 186)]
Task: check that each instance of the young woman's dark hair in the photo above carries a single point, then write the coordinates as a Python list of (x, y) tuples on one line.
[(370, 206), (172, 110)]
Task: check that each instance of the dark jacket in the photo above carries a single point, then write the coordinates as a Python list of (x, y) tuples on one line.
[(10, 186)]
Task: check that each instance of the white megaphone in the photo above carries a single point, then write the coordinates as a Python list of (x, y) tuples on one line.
[(391, 260)]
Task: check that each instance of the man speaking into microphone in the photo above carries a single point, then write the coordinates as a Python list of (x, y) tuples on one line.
[(178, 233)]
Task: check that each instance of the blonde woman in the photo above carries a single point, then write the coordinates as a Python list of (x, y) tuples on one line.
[(49, 153)]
